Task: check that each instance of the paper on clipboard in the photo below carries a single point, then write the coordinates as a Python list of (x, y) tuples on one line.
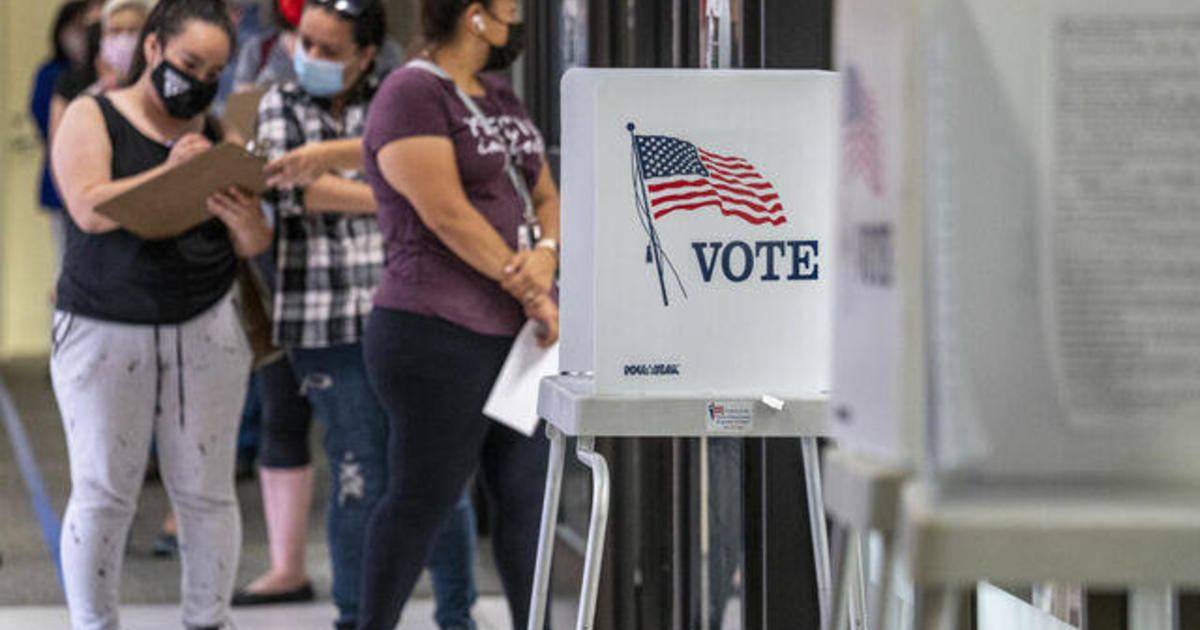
[(514, 397), (175, 201)]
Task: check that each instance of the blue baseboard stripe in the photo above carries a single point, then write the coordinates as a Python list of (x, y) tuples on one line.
[(31, 475)]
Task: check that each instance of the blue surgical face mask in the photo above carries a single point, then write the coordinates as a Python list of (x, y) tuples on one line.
[(318, 77)]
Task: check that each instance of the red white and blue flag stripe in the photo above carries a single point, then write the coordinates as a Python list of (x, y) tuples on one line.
[(680, 177), (861, 145)]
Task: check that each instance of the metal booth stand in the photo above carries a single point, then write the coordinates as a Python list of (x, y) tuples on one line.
[(1134, 536), (572, 409), (864, 497)]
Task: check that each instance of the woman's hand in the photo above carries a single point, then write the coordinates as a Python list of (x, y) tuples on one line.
[(188, 147), (298, 167), (242, 214), (530, 274), (544, 311), (305, 165)]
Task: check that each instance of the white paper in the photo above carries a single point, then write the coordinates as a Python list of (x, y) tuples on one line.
[(1124, 292), (514, 398), (988, 126)]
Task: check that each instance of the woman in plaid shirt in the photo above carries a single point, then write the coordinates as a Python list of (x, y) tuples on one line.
[(330, 257)]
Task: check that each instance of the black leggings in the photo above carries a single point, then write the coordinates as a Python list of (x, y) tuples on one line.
[(287, 417), (433, 378)]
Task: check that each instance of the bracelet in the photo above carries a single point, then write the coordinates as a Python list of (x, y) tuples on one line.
[(548, 243)]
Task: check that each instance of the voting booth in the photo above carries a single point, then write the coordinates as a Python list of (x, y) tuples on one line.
[(878, 397), (1016, 302), (697, 235), (698, 257)]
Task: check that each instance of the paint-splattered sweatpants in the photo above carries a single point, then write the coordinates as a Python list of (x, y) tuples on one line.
[(118, 386)]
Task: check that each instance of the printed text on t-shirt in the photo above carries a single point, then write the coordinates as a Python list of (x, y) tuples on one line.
[(521, 136)]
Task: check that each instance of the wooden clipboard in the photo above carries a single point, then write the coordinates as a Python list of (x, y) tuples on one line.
[(176, 201), (241, 111)]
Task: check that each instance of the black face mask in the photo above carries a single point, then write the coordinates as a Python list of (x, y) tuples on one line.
[(501, 57), (183, 96)]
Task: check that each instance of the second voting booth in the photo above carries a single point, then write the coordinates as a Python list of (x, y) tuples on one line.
[(1016, 312), (697, 256)]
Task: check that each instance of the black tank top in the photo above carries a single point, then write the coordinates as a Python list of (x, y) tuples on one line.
[(119, 277)]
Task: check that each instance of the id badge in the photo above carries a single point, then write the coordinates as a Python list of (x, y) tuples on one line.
[(527, 236)]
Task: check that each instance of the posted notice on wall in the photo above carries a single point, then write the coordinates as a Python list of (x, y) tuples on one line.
[(1121, 231)]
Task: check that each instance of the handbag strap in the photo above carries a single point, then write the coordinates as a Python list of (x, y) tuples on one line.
[(518, 181)]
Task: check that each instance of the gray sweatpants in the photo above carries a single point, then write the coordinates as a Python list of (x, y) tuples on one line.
[(117, 386)]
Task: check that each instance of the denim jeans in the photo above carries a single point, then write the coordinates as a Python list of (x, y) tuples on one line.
[(355, 437)]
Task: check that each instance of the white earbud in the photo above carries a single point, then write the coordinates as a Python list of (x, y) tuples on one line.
[(478, 21)]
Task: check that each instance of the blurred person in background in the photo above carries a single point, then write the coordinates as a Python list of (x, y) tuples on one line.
[(69, 41), (268, 59), (329, 259), (247, 15), (121, 23), (147, 340)]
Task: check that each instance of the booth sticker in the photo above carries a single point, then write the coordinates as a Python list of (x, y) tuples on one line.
[(730, 417)]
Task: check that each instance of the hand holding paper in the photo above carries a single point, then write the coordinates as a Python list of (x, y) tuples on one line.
[(514, 397), (188, 147), (241, 213), (543, 316), (178, 200)]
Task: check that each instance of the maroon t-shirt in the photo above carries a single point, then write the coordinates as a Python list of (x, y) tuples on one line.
[(422, 275)]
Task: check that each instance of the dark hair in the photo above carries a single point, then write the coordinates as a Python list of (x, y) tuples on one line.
[(439, 18), (370, 26), (68, 14), (170, 17)]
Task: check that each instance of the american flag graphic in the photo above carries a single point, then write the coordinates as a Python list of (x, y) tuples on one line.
[(679, 176), (860, 142)]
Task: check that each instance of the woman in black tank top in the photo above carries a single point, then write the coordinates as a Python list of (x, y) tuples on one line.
[(146, 340)]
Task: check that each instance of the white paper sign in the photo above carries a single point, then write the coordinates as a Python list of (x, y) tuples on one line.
[(1123, 220), (698, 250), (514, 397), (1054, 350)]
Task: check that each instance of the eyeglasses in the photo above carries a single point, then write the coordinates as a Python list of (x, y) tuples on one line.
[(348, 8)]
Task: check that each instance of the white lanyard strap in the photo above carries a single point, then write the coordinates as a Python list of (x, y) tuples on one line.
[(531, 231)]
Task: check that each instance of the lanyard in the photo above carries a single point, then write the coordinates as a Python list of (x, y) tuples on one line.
[(530, 231)]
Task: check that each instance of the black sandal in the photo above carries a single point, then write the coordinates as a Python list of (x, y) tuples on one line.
[(242, 597)]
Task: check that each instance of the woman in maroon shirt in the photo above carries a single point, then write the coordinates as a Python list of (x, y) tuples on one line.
[(458, 168)]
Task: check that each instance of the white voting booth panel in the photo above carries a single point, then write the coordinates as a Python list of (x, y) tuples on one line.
[(698, 251), (1052, 161), (877, 400), (1026, 286)]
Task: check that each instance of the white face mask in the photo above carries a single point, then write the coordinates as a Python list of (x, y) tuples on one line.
[(117, 52)]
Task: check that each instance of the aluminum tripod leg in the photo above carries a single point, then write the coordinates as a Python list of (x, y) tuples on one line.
[(816, 513), (587, 454), (545, 556)]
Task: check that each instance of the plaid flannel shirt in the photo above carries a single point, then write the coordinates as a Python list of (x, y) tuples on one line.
[(328, 264)]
